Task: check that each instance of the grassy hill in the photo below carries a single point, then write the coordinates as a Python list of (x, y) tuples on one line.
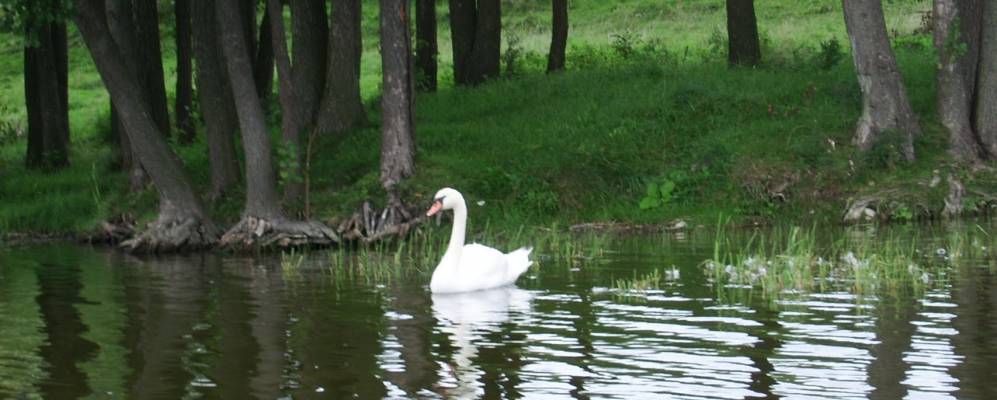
[(647, 105)]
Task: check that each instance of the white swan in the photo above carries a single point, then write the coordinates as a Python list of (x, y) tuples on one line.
[(466, 268)]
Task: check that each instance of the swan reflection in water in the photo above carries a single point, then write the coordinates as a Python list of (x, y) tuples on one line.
[(466, 318)]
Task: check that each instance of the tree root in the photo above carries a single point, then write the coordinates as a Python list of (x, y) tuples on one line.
[(257, 233), (368, 225), (172, 235)]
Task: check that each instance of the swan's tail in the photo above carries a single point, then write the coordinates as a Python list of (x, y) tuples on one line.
[(519, 261)]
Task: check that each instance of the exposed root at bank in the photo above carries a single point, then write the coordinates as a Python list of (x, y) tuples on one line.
[(368, 225), (173, 235), (253, 233)]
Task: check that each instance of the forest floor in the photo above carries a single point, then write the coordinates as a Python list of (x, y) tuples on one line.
[(647, 126)]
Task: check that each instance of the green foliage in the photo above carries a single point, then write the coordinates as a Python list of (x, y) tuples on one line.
[(658, 194), (10, 129), (288, 167), (886, 152), (25, 17), (829, 55), (625, 43)]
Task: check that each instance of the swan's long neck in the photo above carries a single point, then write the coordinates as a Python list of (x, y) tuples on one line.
[(457, 232)]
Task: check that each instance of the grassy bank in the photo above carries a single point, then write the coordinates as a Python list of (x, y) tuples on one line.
[(647, 125)]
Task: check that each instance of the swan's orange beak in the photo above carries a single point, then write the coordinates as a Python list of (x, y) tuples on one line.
[(437, 206)]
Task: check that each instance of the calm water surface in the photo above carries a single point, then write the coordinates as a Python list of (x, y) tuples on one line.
[(79, 322)]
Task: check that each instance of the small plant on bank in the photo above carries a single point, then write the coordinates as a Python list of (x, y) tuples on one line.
[(829, 54), (658, 194)]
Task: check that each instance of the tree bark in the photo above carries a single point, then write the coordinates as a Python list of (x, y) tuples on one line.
[(215, 99), (476, 34), (559, 35), (185, 81), (263, 60), (150, 60), (885, 106), (397, 125), (261, 192), (462, 22), (182, 220), (986, 82), (122, 27), (426, 49), (302, 79), (742, 33), (46, 98), (952, 37), (341, 108)]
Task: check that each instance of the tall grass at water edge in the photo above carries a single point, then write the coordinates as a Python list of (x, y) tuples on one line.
[(418, 254), (795, 260)]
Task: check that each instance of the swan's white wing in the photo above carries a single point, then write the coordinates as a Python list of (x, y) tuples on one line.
[(484, 266)]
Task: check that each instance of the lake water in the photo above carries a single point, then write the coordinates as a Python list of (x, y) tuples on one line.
[(81, 322)]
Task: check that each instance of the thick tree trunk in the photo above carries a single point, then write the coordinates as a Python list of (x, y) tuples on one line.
[(742, 33), (487, 42), (463, 14), (955, 87), (986, 82), (263, 222), (182, 221), (476, 34), (122, 27), (885, 106), (301, 81), (263, 61), (215, 99), (261, 183), (137, 178), (397, 126), (426, 49), (185, 81), (341, 108), (150, 60), (46, 99), (287, 95), (558, 36)]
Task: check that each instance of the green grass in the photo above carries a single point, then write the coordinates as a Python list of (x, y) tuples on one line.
[(647, 100), (791, 260)]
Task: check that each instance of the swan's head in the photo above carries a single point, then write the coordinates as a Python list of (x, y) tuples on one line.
[(445, 199)]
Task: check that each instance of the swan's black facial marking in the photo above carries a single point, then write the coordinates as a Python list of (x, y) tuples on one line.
[(439, 199)]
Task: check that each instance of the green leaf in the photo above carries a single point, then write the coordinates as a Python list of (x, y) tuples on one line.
[(652, 190)]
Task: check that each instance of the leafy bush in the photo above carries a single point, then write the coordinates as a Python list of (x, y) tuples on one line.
[(829, 55)]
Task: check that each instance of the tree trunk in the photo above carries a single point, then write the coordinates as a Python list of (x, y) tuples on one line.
[(986, 82), (397, 126), (885, 107), (559, 35), (263, 61), (261, 183), (150, 60), (301, 82), (341, 108), (182, 220), (476, 34), (137, 178), (742, 33), (46, 99), (487, 41), (215, 99), (426, 49), (955, 87), (121, 22), (287, 93), (184, 90), (463, 14)]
